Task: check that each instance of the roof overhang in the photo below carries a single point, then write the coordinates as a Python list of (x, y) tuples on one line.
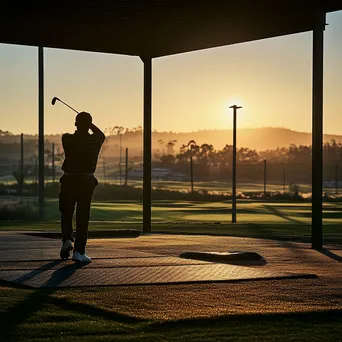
[(154, 28)]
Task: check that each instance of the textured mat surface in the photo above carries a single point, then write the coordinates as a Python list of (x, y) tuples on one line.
[(101, 263), (33, 261), (76, 275)]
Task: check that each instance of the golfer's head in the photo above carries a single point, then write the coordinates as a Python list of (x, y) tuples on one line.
[(83, 121)]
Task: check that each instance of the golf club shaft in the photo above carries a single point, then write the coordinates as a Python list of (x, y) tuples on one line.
[(68, 106)]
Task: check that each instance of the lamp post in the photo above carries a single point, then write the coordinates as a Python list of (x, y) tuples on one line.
[(235, 108), (119, 129)]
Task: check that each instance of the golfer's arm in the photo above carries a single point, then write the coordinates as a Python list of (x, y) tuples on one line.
[(97, 132)]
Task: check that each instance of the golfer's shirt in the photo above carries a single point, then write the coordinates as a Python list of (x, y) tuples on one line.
[(81, 152)]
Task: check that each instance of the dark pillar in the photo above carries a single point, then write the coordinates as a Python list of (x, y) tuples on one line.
[(234, 170), (120, 167), (41, 132), (235, 108), (147, 181), (36, 176), (317, 132), (126, 167), (53, 163), (21, 176)]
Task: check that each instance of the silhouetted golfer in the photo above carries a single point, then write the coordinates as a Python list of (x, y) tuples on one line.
[(78, 183)]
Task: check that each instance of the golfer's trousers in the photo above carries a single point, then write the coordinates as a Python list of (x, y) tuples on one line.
[(77, 191)]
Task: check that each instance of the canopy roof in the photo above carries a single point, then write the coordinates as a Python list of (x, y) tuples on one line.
[(154, 28)]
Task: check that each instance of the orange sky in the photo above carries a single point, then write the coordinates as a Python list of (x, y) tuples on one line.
[(270, 78)]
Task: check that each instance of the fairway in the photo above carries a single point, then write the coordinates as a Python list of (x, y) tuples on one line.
[(260, 219), (205, 212), (214, 187)]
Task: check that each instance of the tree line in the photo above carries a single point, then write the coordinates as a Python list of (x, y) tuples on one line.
[(290, 165), (207, 154)]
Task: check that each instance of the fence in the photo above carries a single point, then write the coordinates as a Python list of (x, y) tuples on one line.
[(256, 177)]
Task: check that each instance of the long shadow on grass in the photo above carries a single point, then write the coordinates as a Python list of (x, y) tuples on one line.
[(311, 317), (94, 311), (251, 230), (280, 214), (35, 302)]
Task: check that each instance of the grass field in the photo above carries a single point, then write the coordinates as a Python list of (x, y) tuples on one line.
[(211, 186), (87, 314), (219, 186), (167, 211), (100, 314), (189, 211), (274, 220)]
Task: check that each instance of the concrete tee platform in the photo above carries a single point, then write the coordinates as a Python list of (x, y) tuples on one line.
[(148, 260)]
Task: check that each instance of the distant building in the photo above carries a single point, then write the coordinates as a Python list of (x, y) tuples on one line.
[(332, 184)]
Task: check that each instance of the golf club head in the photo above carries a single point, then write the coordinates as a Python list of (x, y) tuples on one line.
[(54, 100)]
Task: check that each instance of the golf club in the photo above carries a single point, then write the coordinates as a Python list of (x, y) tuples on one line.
[(57, 99)]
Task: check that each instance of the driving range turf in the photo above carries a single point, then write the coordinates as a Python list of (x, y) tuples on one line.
[(273, 220), (103, 314), (87, 315)]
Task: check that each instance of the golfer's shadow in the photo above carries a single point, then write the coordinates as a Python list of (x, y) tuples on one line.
[(57, 277), (62, 274), (35, 301)]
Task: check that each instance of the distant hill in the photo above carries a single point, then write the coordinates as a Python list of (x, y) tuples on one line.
[(255, 138)]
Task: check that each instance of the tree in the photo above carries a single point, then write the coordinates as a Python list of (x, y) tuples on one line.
[(161, 143), (170, 146), (5, 133), (167, 160), (245, 155)]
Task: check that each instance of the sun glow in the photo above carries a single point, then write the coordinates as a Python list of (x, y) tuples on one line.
[(235, 101), (225, 117)]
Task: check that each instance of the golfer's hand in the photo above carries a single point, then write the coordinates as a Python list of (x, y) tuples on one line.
[(97, 132)]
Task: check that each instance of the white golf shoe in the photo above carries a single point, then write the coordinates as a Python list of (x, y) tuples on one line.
[(78, 257), (66, 248)]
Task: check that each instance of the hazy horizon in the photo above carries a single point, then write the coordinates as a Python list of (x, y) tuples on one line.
[(270, 78), (189, 132), (259, 139)]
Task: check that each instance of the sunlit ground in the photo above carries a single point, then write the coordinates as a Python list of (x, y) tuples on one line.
[(210, 186), (271, 220), (180, 211)]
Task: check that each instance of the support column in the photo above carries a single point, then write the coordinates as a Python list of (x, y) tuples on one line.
[(234, 170), (41, 132), (21, 175), (53, 163), (126, 167), (147, 181), (235, 108), (317, 132)]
